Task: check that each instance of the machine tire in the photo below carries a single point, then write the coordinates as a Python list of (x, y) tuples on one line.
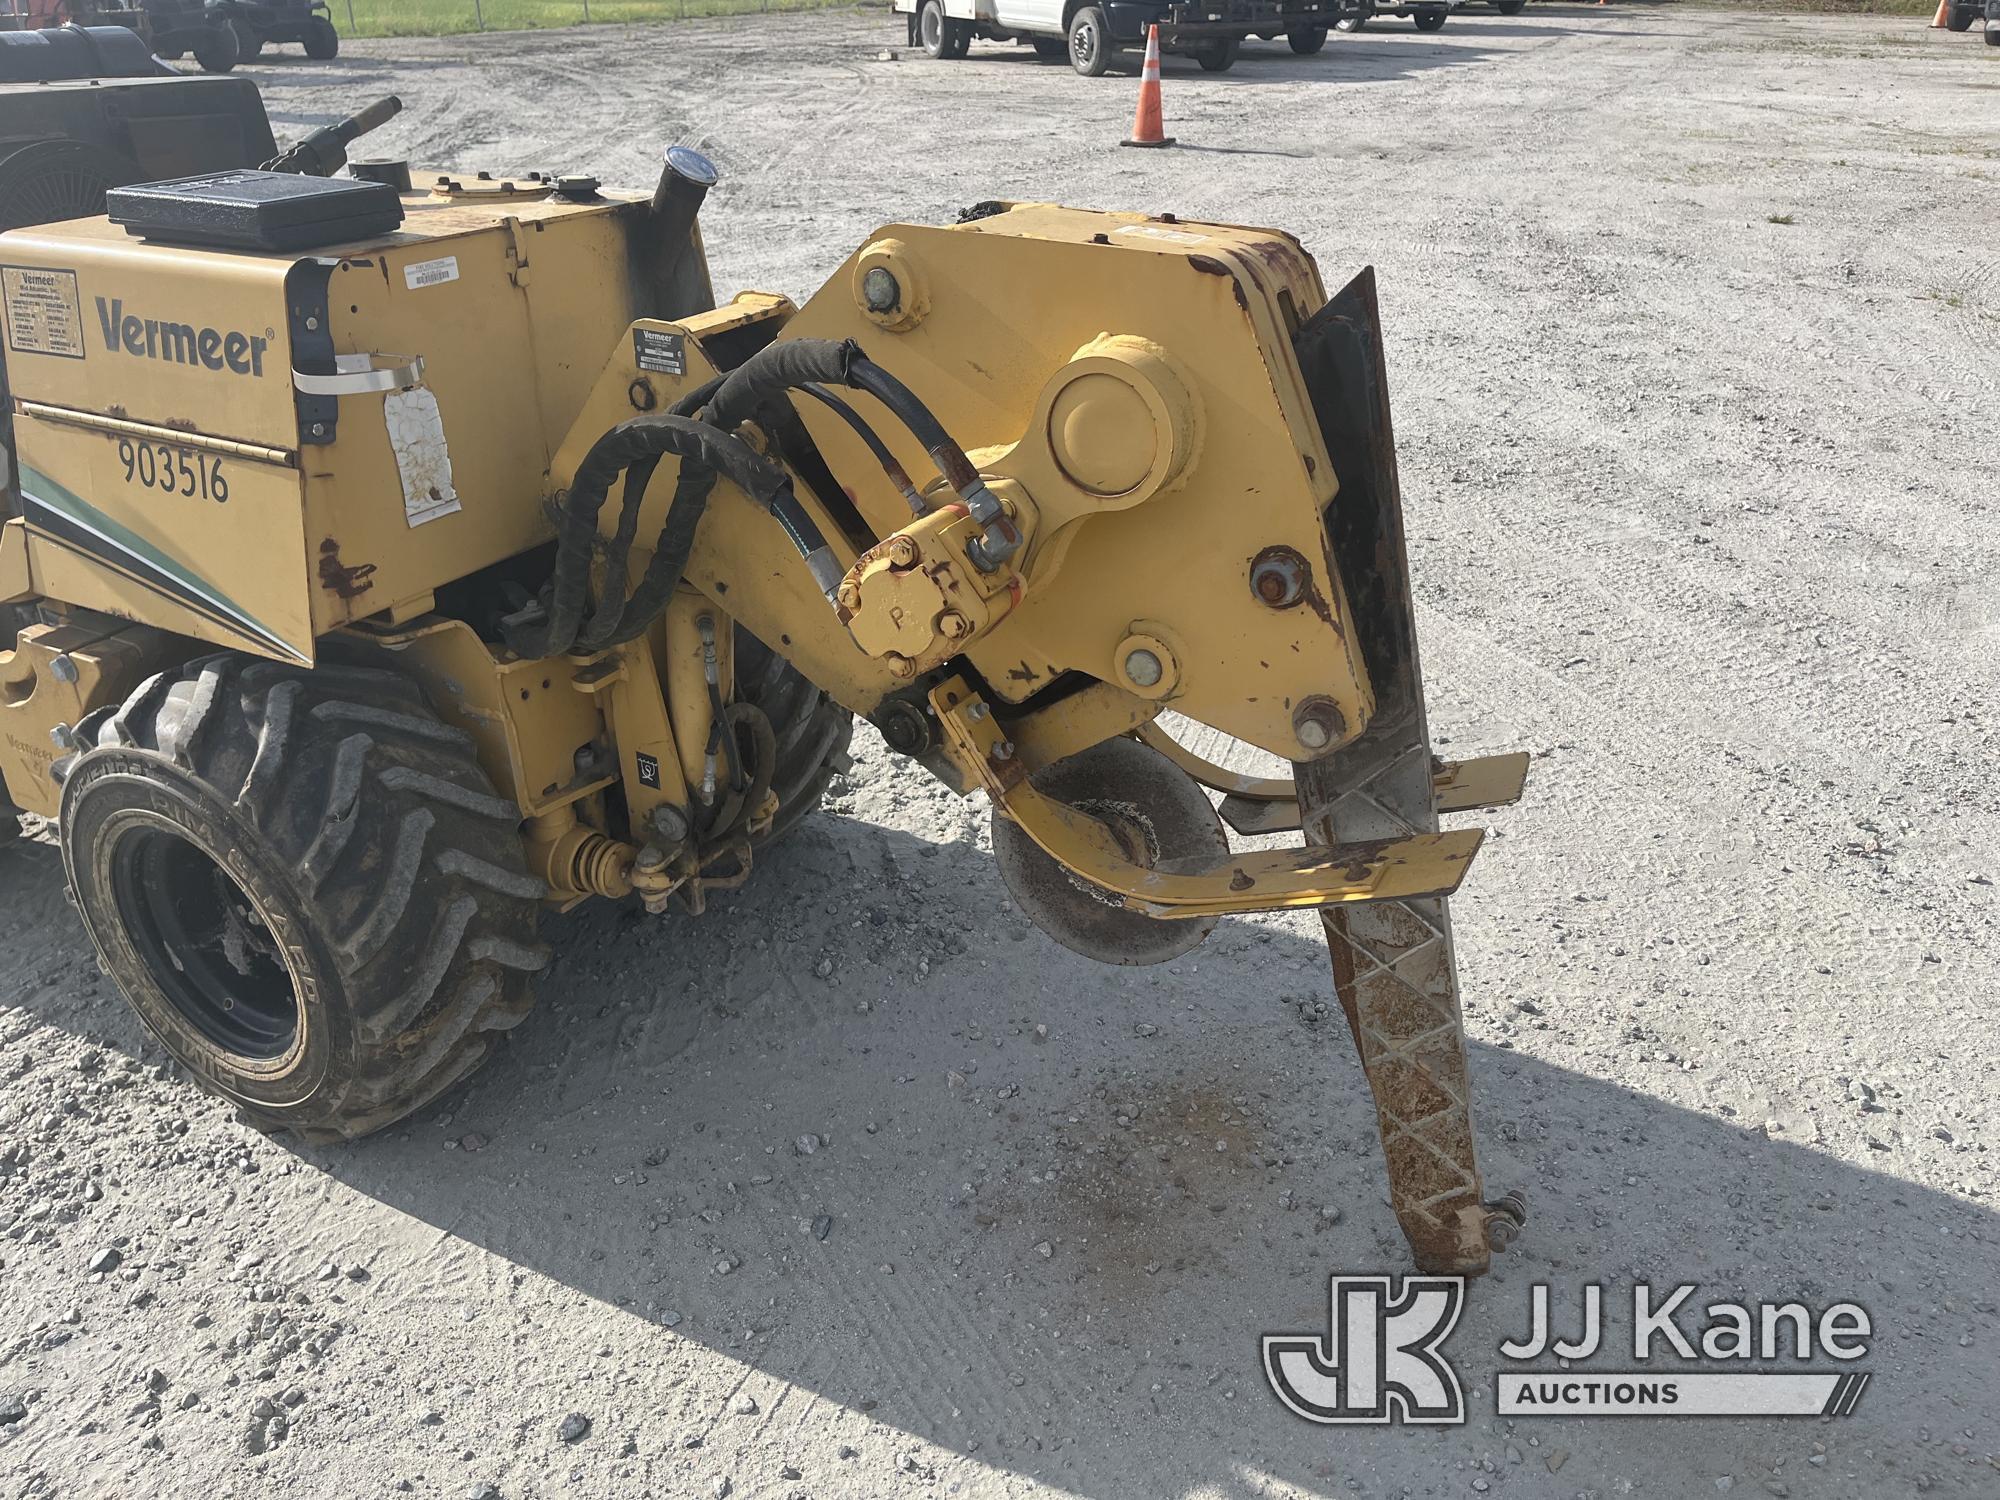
[(217, 51), (1992, 36), (305, 885), (1089, 42), (322, 41), (1352, 24), (933, 30), (813, 731), (1049, 48), (1430, 20), (1306, 40), (1218, 57), (1510, 7), (249, 45)]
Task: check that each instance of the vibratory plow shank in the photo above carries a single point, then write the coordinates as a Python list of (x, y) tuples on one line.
[(1118, 852)]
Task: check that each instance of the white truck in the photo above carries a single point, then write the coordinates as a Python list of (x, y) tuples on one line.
[(1429, 15), (1090, 33)]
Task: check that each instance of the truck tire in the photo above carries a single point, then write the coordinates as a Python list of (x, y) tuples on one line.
[(1993, 36), (216, 51), (1351, 24), (1218, 57), (322, 41), (1306, 40), (930, 28), (1959, 18), (1049, 48), (1430, 19), (305, 885), (249, 45), (1090, 45), (941, 36), (1510, 7)]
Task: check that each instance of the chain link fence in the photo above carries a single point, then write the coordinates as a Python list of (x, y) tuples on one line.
[(442, 17)]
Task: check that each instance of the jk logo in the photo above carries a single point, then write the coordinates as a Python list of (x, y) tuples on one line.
[(1379, 1359)]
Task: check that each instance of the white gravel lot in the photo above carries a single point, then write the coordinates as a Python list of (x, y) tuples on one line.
[(1693, 321)]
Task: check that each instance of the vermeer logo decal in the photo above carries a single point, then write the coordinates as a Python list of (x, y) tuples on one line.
[(1382, 1357), (179, 343)]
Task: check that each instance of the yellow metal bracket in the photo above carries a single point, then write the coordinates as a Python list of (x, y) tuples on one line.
[(1264, 880), (1270, 804)]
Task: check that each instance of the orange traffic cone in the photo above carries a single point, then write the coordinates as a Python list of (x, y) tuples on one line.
[(1943, 16), (1146, 127)]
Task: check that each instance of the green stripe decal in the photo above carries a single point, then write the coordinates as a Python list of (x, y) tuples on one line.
[(141, 556)]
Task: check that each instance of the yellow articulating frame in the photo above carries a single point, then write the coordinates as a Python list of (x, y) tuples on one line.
[(440, 573)]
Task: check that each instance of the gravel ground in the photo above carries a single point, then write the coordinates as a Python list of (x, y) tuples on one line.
[(860, 1187)]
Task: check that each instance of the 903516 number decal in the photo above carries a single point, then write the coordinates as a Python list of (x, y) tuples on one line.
[(174, 470)]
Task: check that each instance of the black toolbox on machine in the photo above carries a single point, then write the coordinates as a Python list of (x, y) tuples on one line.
[(248, 210)]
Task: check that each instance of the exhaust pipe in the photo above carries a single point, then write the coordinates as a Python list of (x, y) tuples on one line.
[(681, 284)]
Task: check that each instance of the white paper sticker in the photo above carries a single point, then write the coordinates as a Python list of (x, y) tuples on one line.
[(422, 273), (416, 434), (1161, 232)]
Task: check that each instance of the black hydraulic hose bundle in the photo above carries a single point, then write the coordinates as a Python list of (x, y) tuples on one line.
[(700, 430), (704, 452)]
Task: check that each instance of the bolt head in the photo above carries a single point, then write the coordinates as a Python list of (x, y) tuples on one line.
[(1144, 668), (879, 290), (62, 669), (1278, 577), (1317, 723)]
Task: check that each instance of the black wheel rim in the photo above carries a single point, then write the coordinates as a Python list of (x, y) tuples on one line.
[(205, 943)]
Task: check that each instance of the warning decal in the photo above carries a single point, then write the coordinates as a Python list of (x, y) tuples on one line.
[(42, 315)]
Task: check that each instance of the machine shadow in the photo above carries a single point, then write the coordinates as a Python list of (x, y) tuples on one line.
[(1047, 1207)]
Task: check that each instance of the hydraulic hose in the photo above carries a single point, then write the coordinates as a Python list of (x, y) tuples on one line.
[(735, 398), (741, 804), (1001, 539), (797, 363), (876, 446), (700, 431), (618, 551), (704, 452)]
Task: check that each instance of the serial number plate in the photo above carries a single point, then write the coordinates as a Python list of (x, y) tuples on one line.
[(174, 470)]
